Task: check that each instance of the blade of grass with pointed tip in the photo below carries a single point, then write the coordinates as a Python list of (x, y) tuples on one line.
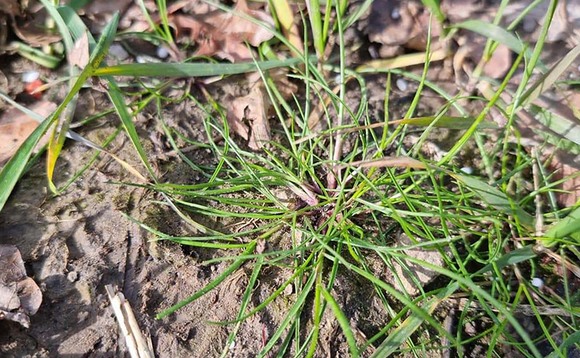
[(445, 122), (495, 198), (15, 166), (547, 80), (569, 226), (396, 339), (498, 34), (118, 101), (95, 60), (342, 321), (191, 69), (511, 258)]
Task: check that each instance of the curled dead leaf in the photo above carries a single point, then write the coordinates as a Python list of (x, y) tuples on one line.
[(248, 117)]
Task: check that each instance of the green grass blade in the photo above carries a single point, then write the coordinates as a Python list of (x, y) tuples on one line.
[(435, 8), (75, 26), (292, 314), (498, 34), (495, 198), (547, 80), (484, 295), (569, 226), (95, 60), (60, 23), (34, 54), (342, 321), (571, 341), (192, 69), (246, 299), (511, 258), (396, 339), (15, 167), (314, 13), (118, 101), (445, 122)]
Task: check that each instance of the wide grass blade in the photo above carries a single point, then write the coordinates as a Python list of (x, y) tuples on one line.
[(192, 69), (569, 226), (15, 167), (495, 198), (285, 16)]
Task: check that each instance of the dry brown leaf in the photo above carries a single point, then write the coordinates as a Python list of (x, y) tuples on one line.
[(16, 126), (32, 29), (10, 7), (225, 34), (17, 291), (251, 109), (79, 55), (400, 23), (499, 63)]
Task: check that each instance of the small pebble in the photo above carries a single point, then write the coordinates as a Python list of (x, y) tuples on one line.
[(288, 290), (116, 50), (162, 52), (395, 14), (537, 282), (467, 170), (402, 84), (30, 76), (72, 276)]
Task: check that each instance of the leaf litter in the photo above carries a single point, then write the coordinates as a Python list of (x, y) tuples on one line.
[(225, 34)]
